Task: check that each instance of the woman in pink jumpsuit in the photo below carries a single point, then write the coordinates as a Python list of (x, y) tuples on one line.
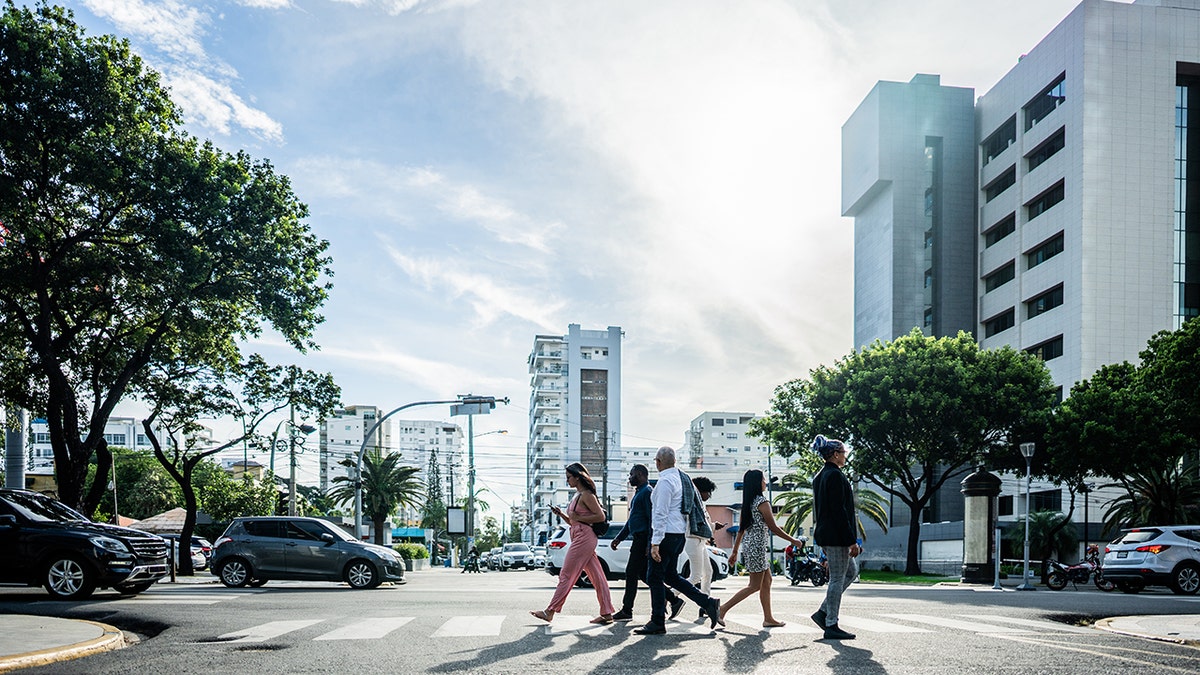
[(581, 555)]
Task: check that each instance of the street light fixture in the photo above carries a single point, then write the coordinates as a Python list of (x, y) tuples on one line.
[(1027, 452)]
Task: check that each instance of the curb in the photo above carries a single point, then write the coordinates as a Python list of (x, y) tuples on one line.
[(110, 640), (1106, 625)]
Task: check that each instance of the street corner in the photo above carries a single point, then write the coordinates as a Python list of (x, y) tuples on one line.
[(1181, 629), (28, 641)]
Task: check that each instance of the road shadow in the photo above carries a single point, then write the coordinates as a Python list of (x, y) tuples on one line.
[(745, 653), (854, 660), (646, 653), (530, 643)]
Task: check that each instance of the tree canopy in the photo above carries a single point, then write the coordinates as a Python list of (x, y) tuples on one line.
[(916, 412), (129, 242), (386, 486)]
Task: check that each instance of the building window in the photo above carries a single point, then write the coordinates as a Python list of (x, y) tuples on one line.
[(115, 439), (1000, 139), (1045, 251), (1000, 277), (1045, 500), (1044, 201), (1047, 149), (1050, 349), (1046, 102), (718, 422), (999, 323), (1045, 302), (41, 438), (1187, 196), (1000, 184), (928, 278), (1000, 230), (928, 318), (1005, 505)]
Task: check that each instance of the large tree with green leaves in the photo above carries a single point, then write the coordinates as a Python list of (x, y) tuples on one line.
[(130, 243), (917, 411), (386, 486), (433, 511)]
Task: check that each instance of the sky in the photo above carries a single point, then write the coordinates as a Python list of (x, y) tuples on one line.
[(486, 171)]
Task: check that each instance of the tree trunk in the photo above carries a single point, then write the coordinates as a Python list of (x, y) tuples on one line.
[(378, 538), (912, 567), (189, 522)]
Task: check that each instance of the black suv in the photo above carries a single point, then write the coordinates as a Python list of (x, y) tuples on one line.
[(43, 542), (254, 550)]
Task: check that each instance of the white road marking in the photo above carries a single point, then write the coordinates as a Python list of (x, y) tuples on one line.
[(875, 626), (1033, 623), (266, 631), (367, 629), (470, 626), (947, 622)]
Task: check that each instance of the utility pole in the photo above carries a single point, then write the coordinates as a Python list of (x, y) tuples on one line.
[(292, 454)]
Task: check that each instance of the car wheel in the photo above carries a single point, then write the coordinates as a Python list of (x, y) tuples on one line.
[(255, 583), (234, 573), (1130, 587), (1185, 580), (133, 589), (70, 578), (361, 574), (1057, 580)]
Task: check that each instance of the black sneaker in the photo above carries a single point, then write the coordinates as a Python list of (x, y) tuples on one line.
[(700, 619), (818, 618), (651, 629), (835, 633), (623, 615), (714, 613), (676, 607)]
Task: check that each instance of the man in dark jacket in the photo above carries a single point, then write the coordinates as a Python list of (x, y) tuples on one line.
[(835, 531), (638, 526)]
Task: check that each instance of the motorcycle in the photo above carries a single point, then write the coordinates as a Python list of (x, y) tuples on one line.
[(1088, 570), (806, 567), (472, 563)]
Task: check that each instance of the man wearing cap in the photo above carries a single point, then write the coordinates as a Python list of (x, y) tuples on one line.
[(834, 530)]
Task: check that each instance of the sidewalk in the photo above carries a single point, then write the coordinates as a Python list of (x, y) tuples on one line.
[(1182, 629), (27, 641)]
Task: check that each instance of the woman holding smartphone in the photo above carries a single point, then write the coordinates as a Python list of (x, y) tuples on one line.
[(584, 510)]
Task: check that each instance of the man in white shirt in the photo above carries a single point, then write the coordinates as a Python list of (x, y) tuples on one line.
[(668, 528)]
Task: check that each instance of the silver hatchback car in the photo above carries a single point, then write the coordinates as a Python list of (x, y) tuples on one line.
[(1155, 556)]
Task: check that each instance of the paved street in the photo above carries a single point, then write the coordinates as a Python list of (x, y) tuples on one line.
[(445, 622)]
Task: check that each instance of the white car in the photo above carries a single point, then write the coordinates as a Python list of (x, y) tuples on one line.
[(1166, 555), (614, 562), (539, 556), (516, 555)]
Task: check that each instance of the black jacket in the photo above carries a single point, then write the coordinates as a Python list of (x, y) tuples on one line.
[(833, 508)]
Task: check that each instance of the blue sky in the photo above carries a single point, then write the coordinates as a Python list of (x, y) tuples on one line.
[(489, 170)]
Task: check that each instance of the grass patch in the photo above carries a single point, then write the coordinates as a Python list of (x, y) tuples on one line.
[(878, 577)]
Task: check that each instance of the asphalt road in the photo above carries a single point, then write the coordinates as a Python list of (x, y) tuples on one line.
[(446, 622)]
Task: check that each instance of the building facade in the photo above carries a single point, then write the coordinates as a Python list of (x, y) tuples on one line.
[(718, 446), (574, 416), (1085, 178)]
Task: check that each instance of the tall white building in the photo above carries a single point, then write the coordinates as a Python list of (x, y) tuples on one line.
[(718, 446), (1086, 185), (124, 432), (420, 440), (342, 434), (574, 416)]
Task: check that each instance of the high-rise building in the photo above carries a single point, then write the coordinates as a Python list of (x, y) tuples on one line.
[(342, 435), (1086, 185), (718, 446), (420, 440), (574, 416)]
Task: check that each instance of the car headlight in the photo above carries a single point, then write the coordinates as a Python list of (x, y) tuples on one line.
[(109, 544)]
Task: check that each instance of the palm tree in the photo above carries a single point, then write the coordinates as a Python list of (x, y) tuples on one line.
[(386, 486), (798, 504), (1046, 539), (1166, 496)]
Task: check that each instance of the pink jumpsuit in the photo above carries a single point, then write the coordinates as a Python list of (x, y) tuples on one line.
[(580, 556)]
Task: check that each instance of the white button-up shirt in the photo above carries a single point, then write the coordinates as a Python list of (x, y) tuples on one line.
[(666, 515)]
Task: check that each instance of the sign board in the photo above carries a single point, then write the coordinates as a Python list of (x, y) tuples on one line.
[(456, 521), (471, 408)]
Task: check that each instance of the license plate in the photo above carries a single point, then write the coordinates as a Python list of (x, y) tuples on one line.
[(1122, 554)]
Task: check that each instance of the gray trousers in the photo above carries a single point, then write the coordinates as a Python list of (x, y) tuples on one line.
[(842, 571)]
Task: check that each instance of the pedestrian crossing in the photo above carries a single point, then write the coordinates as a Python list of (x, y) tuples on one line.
[(493, 626)]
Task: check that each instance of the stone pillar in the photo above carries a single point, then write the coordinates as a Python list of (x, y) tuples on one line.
[(980, 490)]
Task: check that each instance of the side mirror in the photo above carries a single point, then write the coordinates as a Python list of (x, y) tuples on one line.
[(7, 521), (327, 538)]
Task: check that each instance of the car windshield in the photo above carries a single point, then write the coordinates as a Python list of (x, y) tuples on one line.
[(516, 548), (40, 508), (1137, 536)]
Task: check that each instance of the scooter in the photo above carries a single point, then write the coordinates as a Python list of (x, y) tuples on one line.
[(471, 564), (1088, 570)]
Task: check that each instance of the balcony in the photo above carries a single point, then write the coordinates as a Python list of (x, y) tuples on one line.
[(542, 439), (546, 421)]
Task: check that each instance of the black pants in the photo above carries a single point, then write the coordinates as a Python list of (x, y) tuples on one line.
[(635, 570), (666, 573)]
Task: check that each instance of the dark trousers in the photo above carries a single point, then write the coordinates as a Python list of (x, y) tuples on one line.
[(666, 573), (636, 569)]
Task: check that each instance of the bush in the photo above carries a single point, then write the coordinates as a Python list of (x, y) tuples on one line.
[(412, 551)]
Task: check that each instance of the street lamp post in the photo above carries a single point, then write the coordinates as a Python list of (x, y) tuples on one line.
[(1027, 452), (1086, 490)]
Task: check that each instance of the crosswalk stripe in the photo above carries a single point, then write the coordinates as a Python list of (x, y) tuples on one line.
[(875, 626), (947, 622), (266, 631), (755, 621), (168, 601), (1032, 623), (470, 626), (572, 623), (367, 629)]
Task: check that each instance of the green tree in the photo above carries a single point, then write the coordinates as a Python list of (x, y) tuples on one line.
[(130, 242), (917, 411), (797, 503), (1167, 495), (386, 486), (488, 536), (224, 497), (143, 487), (433, 511), (1047, 537)]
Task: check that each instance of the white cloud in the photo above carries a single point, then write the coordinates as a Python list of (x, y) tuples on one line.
[(171, 26), (266, 4), (216, 106)]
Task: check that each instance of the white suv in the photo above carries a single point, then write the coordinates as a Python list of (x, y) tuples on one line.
[(1155, 556), (614, 562)]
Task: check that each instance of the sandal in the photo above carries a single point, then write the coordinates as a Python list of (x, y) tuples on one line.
[(544, 615), (602, 620), (774, 624)]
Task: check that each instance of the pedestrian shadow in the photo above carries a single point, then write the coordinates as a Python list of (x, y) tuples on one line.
[(854, 660), (644, 653), (528, 644), (747, 652)]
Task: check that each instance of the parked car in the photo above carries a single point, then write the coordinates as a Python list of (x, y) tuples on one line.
[(614, 562), (494, 558), (539, 556), (485, 560), (201, 551), (1155, 556), (516, 555), (43, 542), (255, 550)]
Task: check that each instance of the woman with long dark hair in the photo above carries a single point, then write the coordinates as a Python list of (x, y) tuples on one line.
[(584, 510), (752, 540)]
